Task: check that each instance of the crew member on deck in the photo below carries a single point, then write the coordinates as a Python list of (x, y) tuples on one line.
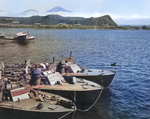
[(3, 81), (35, 76)]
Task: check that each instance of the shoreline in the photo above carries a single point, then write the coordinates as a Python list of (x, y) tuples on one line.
[(75, 27)]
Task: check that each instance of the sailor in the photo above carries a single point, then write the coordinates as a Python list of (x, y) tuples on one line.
[(46, 63), (3, 81), (61, 66), (35, 76)]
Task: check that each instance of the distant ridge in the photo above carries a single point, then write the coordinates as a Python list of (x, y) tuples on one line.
[(30, 10), (58, 9), (56, 19), (27, 13)]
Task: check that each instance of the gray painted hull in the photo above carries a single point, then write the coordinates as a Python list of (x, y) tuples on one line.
[(104, 81), (102, 77), (84, 100)]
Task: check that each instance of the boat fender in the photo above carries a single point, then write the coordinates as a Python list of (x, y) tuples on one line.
[(40, 106)]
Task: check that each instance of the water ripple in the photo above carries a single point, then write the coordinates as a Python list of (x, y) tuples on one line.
[(128, 97)]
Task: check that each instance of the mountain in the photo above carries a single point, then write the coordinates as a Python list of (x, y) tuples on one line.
[(58, 9), (56, 19), (30, 11), (27, 13), (99, 21)]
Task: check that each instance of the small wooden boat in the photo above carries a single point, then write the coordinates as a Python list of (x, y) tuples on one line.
[(84, 93), (26, 103), (21, 37), (100, 76)]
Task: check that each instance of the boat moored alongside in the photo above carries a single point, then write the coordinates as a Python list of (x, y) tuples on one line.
[(82, 92), (23, 103), (100, 76)]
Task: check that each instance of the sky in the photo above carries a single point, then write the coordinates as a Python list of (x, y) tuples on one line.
[(123, 12)]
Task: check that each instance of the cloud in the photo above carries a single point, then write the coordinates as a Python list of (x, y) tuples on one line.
[(132, 16), (76, 14), (132, 19), (5, 13)]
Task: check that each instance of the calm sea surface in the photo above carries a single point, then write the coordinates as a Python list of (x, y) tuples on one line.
[(128, 97)]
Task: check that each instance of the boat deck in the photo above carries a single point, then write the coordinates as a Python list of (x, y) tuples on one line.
[(91, 72), (87, 86), (98, 72), (31, 104)]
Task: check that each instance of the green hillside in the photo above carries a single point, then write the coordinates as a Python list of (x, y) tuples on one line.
[(57, 19)]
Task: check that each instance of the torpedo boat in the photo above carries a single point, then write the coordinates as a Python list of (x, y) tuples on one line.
[(100, 76), (26, 103), (82, 92), (76, 89)]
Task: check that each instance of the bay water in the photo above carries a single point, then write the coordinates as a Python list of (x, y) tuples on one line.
[(128, 97)]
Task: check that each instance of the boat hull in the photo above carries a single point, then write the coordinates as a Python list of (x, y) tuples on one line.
[(103, 80), (82, 92), (102, 77), (84, 100), (34, 105)]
